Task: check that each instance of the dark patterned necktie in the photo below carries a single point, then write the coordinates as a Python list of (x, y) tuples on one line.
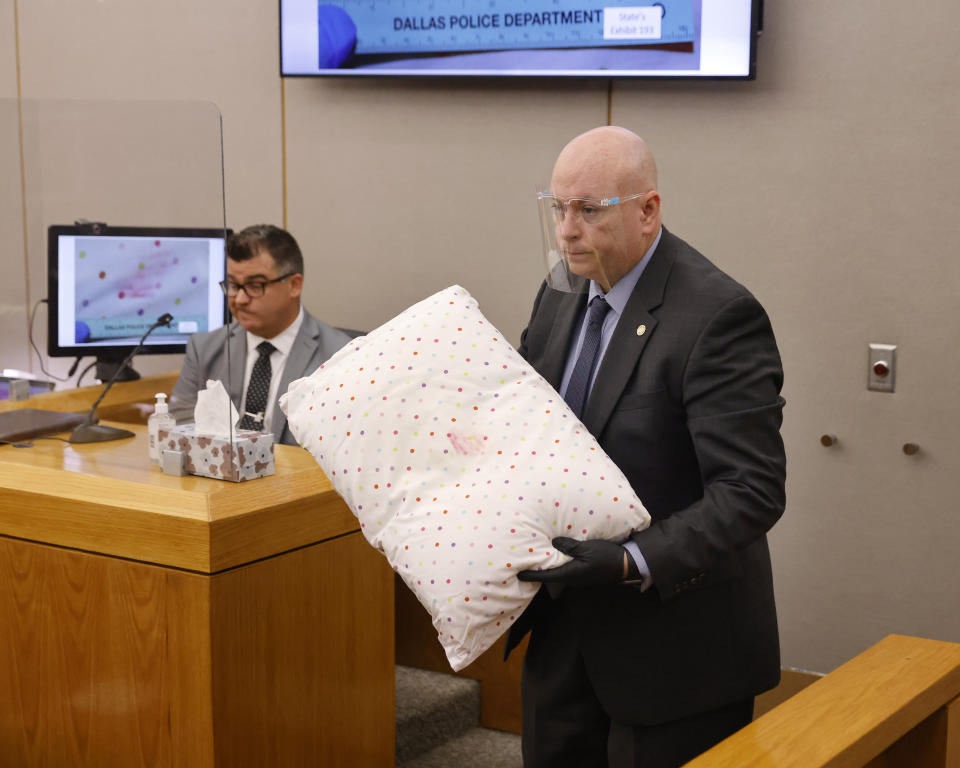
[(255, 406), (576, 394)]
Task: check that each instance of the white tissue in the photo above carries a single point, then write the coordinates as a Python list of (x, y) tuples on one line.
[(215, 413)]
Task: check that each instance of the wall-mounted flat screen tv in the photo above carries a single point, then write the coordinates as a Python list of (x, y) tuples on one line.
[(521, 38)]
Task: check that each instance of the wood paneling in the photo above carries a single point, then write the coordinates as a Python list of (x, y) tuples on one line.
[(500, 702), (105, 497), (924, 746), (274, 648), (106, 662), (853, 714), (103, 662), (317, 513), (303, 666), (952, 756), (792, 681), (417, 646)]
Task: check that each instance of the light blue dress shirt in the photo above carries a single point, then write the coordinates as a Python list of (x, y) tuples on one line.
[(617, 298)]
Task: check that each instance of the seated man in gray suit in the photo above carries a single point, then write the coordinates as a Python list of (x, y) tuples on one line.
[(271, 342)]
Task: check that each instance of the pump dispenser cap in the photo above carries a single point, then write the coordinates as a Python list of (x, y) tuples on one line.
[(161, 405)]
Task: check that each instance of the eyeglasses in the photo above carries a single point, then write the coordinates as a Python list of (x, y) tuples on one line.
[(585, 208), (254, 289)]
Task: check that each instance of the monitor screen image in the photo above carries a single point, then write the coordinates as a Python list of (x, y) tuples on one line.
[(108, 285), (537, 38)]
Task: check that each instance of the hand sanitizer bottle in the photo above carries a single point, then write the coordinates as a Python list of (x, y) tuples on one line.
[(159, 419)]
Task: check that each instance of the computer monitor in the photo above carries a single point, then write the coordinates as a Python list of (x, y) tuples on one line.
[(108, 285)]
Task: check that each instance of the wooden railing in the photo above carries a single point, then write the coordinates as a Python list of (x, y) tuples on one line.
[(896, 705)]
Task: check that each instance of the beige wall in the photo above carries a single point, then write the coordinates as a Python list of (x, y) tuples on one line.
[(135, 56), (399, 189), (13, 313), (828, 186)]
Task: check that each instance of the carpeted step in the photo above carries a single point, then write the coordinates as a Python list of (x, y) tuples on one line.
[(432, 708), (477, 748)]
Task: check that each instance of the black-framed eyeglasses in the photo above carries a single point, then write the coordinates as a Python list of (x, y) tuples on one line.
[(253, 289)]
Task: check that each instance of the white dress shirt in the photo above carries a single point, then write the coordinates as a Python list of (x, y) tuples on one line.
[(282, 342)]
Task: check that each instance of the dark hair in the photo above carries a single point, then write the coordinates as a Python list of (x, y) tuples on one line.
[(249, 242)]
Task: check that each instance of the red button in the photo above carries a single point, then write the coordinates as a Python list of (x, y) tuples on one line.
[(880, 368)]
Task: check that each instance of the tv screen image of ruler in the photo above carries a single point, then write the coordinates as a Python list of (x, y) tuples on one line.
[(442, 26)]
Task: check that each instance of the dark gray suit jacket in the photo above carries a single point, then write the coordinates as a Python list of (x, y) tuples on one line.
[(686, 402), (206, 358)]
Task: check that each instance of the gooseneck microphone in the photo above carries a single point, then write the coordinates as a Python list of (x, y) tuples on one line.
[(91, 431)]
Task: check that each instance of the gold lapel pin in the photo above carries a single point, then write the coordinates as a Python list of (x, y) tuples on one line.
[(641, 329)]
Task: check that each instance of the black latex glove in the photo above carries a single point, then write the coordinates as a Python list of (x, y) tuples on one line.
[(595, 562)]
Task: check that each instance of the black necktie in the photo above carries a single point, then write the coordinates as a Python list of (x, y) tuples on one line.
[(255, 406), (576, 395)]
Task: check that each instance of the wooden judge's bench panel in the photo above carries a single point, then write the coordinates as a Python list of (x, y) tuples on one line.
[(152, 620)]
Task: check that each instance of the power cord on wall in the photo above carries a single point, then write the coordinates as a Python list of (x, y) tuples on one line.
[(84, 371), (73, 368)]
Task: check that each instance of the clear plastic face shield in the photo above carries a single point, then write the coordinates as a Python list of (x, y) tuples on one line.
[(582, 238)]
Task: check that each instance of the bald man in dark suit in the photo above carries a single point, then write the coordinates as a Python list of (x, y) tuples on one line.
[(646, 654)]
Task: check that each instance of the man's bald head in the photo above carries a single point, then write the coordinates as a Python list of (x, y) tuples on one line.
[(600, 164), (621, 155)]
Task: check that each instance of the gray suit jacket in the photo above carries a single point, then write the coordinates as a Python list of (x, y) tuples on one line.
[(687, 403), (206, 358)]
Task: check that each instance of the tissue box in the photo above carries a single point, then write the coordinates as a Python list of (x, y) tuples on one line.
[(210, 456)]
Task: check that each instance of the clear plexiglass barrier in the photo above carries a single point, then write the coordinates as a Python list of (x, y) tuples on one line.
[(113, 213)]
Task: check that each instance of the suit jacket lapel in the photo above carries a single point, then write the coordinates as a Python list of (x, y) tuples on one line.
[(628, 342), (237, 342), (301, 353)]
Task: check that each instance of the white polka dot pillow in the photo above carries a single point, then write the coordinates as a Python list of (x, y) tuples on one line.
[(460, 462)]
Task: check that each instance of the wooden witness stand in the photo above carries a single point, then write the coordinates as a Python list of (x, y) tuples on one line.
[(147, 619)]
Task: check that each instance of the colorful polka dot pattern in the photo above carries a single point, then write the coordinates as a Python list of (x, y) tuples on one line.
[(460, 462)]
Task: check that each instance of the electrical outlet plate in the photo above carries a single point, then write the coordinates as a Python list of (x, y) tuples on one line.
[(884, 355)]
